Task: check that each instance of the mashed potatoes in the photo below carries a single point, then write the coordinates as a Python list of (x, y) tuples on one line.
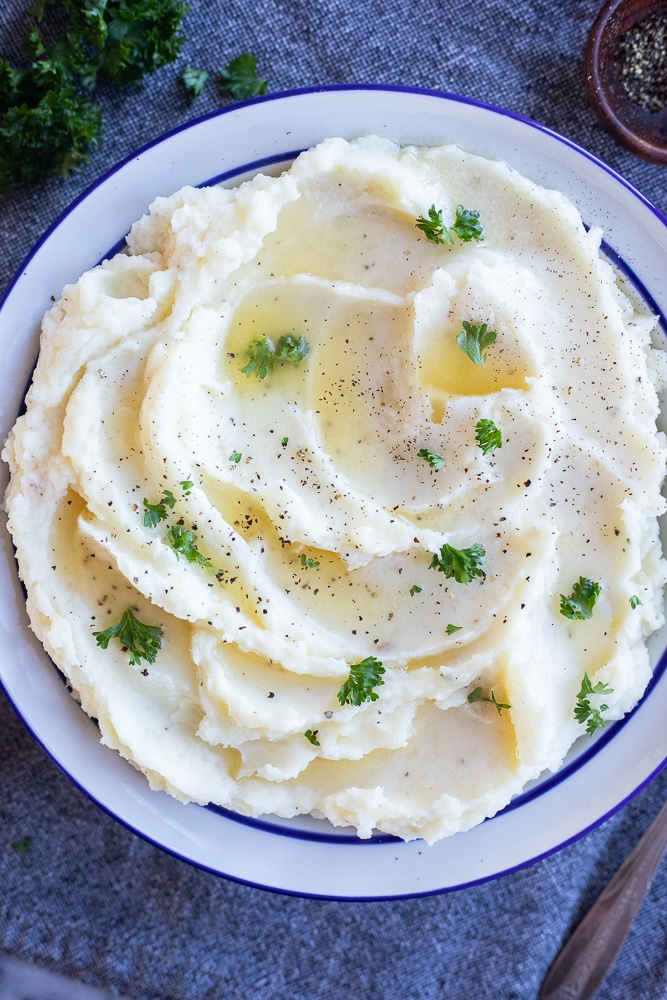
[(319, 515)]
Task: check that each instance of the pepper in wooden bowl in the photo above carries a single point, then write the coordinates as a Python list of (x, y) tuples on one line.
[(626, 74)]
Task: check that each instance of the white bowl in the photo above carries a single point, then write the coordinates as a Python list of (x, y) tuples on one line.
[(306, 856)]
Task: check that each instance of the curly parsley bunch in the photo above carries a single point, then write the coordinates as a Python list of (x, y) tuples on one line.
[(48, 122)]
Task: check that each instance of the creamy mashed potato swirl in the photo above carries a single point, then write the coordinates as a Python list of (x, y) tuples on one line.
[(315, 517)]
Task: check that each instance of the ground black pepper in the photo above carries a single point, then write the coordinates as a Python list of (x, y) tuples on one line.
[(641, 62)]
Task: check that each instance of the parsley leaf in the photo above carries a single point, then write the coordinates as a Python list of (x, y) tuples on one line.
[(156, 512), (488, 436), (433, 227), (184, 543), (461, 564), (415, 589), (235, 457), (586, 713), (474, 340), (634, 602), (451, 629), (311, 736), (579, 605), (194, 81), (142, 641), (364, 676), (466, 226), (240, 78), (478, 695), (263, 354), (435, 461), (307, 562)]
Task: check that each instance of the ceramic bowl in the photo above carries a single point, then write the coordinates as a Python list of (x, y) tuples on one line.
[(306, 856)]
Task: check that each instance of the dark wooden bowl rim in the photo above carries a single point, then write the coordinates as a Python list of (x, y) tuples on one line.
[(642, 132)]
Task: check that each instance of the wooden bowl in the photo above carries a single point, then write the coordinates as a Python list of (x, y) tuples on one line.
[(641, 131)]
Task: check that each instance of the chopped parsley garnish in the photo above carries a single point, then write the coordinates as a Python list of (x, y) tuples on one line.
[(464, 565), (488, 436), (264, 353), (634, 602), (466, 226), (364, 676), (478, 695), (586, 713), (284, 441), (433, 227), (141, 641), (194, 81), (579, 605), (451, 629), (156, 512), (311, 736), (184, 543), (307, 562), (435, 461), (415, 589), (474, 340), (235, 457), (240, 78)]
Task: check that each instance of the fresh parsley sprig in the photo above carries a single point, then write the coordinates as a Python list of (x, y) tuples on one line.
[(463, 565), (435, 461), (488, 436), (466, 226), (579, 605), (156, 512), (474, 340), (265, 353), (184, 543), (194, 81), (364, 676), (477, 694), (240, 78), (142, 641), (584, 711)]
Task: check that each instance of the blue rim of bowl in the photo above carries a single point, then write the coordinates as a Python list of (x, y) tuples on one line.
[(548, 783)]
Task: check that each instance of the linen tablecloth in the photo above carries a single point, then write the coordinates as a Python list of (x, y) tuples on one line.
[(93, 901)]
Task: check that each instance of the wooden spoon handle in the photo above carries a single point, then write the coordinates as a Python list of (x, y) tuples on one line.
[(590, 951)]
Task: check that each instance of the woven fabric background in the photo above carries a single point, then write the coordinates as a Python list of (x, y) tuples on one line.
[(95, 902)]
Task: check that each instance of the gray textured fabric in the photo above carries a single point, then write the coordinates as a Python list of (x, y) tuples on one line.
[(92, 900)]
